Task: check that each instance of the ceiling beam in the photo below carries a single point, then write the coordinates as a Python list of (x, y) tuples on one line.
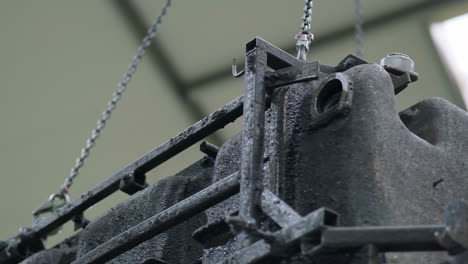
[(332, 36), (159, 59)]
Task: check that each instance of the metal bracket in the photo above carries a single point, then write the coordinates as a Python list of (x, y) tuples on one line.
[(293, 74), (293, 233), (401, 78), (349, 62), (453, 237), (133, 183), (80, 221), (259, 56), (209, 149)]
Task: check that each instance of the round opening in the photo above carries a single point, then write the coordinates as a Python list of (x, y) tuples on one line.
[(329, 96)]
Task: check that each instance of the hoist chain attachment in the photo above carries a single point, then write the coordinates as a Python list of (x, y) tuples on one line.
[(50, 205), (305, 37)]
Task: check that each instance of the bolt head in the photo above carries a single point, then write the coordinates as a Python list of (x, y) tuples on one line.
[(399, 61)]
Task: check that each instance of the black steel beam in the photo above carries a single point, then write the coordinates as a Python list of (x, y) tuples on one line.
[(331, 36), (259, 55), (159, 58), (252, 138), (159, 223)]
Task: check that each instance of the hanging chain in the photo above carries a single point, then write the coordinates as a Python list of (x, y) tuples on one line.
[(305, 37), (359, 32), (121, 87), (307, 17)]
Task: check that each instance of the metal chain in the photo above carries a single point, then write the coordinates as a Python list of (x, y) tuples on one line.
[(305, 37), (359, 32), (121, 87), (307, 17)]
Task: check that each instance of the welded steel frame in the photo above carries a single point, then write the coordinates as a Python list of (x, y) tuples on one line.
[(259, 56)]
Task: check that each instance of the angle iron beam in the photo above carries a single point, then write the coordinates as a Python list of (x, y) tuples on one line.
[(276, 57), (251, 171)]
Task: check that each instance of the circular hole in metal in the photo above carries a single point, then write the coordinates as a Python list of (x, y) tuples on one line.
[(329, 95)]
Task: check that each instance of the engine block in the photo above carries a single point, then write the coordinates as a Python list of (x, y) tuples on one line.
[(326, 170)]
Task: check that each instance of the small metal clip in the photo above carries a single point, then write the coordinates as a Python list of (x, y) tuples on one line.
[(234, 69), (303, 40), (50, 206)]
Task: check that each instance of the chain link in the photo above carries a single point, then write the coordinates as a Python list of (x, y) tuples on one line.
[(359, 32), (121, 87), (307, 17)]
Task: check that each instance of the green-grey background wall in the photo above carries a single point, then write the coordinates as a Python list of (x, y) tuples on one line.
[(60, 62)]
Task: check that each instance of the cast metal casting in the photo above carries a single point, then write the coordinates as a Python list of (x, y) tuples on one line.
[(314, 137)]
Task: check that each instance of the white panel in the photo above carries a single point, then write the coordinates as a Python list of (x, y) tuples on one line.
[(452, 42)]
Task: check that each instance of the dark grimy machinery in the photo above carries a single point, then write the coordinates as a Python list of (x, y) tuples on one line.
[(326, 170)]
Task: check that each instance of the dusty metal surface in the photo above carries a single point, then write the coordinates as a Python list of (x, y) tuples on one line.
[(172, 245), (314, 137), (162, 221)]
